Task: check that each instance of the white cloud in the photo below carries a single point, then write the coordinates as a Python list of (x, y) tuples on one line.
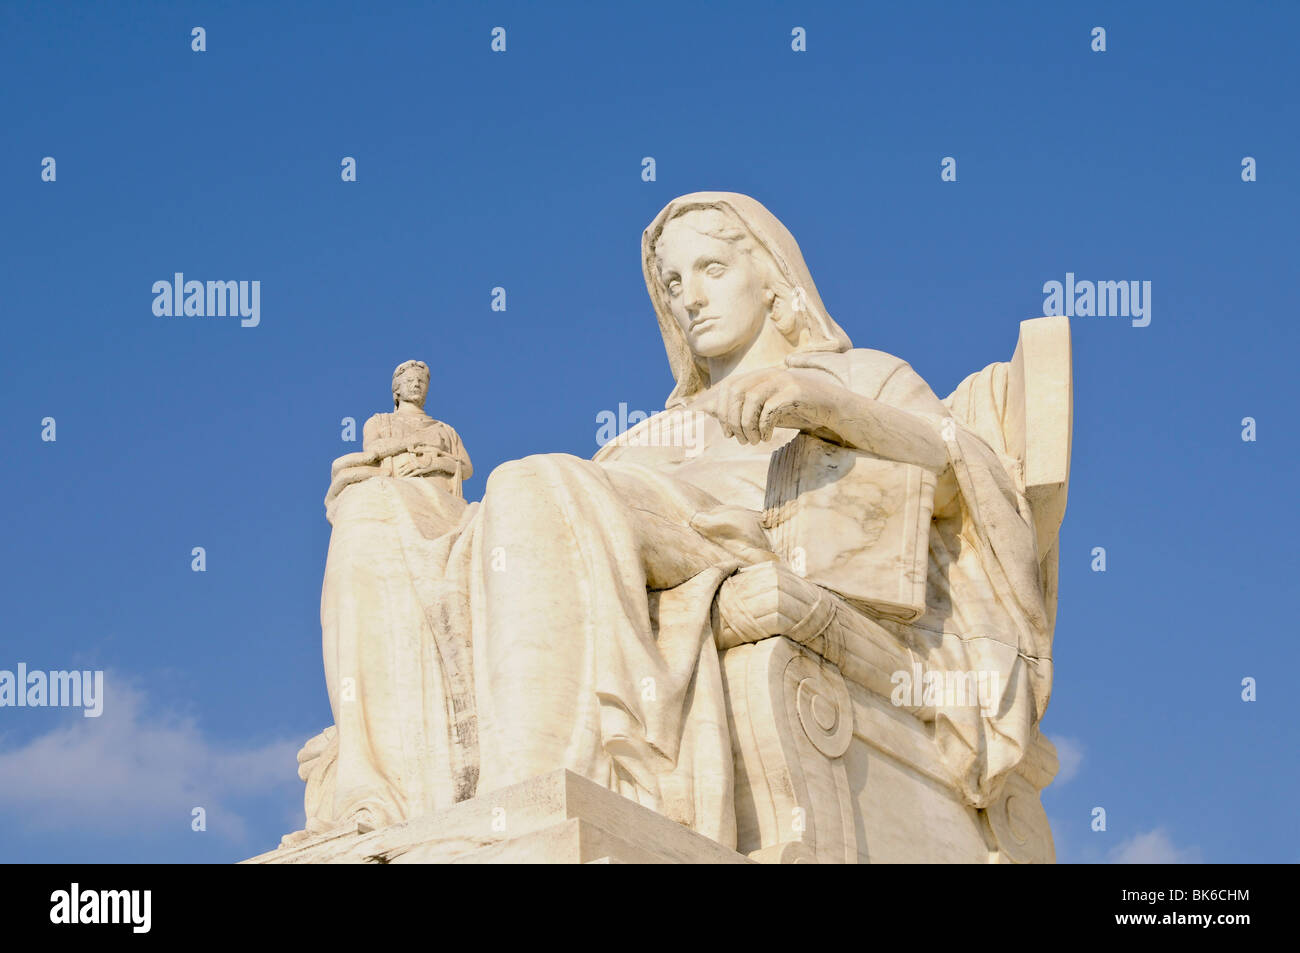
[(126, 770), (1070, 753), (1153, 847)]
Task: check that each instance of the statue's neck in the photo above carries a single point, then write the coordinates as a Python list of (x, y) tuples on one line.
[(768, 349), (407, 409)]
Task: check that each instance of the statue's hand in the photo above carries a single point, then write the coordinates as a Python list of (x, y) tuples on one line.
[(751, 406), (424, 460), (737, 530)]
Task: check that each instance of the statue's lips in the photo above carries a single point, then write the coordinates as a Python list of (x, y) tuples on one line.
[(699, 323)]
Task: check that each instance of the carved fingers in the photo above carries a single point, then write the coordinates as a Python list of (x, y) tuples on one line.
[(424, 460), (751, 406)]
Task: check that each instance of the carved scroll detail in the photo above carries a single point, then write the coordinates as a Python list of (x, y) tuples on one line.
[(1020, 824), (791, 722)]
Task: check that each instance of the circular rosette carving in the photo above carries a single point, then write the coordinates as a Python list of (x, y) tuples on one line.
[(1020, 824), (822, 702)]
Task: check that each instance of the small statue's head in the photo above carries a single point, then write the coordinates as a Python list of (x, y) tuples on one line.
[(720, 284), (411, 383)]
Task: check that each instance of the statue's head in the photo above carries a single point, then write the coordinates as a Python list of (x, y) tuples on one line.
[(721, 286), (411, 383), (719, 266)]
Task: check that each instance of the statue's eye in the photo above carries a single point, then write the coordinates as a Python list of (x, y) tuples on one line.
[(715, 269), (674, 287)]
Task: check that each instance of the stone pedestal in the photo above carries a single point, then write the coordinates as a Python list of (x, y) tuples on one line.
[(555, 818)]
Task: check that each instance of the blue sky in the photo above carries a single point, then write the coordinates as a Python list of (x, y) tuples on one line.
[(523, 170)]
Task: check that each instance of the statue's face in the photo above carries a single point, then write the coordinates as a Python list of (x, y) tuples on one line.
[(716, 291), (413, 385)]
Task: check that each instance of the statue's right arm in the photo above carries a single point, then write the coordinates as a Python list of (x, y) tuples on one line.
[(376, 445), (359, 459), (388, 446), (347, 476), (374, 452)]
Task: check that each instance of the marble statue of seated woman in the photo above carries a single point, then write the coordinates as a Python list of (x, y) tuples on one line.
[(566, 620)]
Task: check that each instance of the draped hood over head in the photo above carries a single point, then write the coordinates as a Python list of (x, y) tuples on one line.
[(819, 332)]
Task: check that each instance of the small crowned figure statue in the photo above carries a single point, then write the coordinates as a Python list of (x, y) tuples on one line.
[(406, 443), (408, 496)]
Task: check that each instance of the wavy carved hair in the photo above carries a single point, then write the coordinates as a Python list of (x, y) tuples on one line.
[(401, 368), (786, 305)]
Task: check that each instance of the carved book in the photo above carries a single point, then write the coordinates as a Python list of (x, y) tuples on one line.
[(881, 563)]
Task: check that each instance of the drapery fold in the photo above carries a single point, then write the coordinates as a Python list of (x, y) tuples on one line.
[(565, 621), (521, 658)]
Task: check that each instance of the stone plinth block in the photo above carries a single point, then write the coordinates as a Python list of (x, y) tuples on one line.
[(555, 818)]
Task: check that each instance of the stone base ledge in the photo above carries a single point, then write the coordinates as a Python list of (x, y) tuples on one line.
[(554, 818)]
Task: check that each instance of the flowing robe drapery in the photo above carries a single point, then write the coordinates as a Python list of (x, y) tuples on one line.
[(527, 638), (985, 609), (565, 621)]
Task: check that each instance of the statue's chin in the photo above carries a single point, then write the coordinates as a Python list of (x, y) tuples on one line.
[(723, 337), (712, 345)]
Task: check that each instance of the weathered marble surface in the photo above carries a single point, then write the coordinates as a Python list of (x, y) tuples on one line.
[(681, 623), (553, 818), (812, 484)]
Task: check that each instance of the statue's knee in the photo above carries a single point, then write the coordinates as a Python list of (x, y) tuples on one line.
[(510, 474), (532, 474), (365, 499)]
